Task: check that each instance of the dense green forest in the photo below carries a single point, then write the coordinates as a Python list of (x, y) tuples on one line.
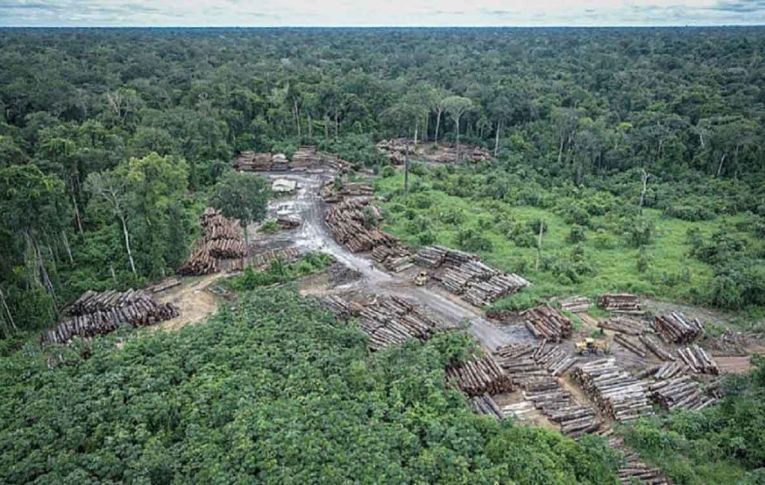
[(625, 159), (273, 391), (109, 139)]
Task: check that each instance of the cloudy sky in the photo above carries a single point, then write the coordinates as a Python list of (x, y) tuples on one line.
[(376, 12)]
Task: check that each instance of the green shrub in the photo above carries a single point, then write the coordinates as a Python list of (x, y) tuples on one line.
[(577, 234), (473, 240)]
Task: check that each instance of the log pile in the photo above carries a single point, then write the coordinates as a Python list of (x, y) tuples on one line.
[(534, 368), (221, 239), (398, 149), (625, 325), (484, 404), (305, 158), (617, 393), (464, 274), (655, 346), (341, 308), (698, 360), (164, 285), (634, 470), (394, 258), (620, 303), (331, 192), (261, 261), (680, 392), (347, 220), (547, 323), (632, 344), (676, 328), (526, 362), (100, 313), (479, 376), (288, 222), (553, 359), (576, 304), (663, 371), (393, 320)]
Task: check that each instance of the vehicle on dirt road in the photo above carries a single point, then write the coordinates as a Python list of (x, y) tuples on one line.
[(421, 279), (590, 346)]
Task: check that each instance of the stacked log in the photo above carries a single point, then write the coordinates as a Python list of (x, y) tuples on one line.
[(164, 285), (347, 222), (547, 323), (698, 360), (398, 149), (576, 304), (669, 370), (624, 325), (305, 158), (534, 368), (394, 258), (93, 301), (340, 307), (553, 359), (479, 376), (226, 248), (676, 328), (431, 256), (655, 346), (464, 274), (261, 261), (200, 262), (617, 393), (620, 303), (484, 404), (680, 392), (387, 320), (634, 470), (221, 239), (630, 343), (100, 313), (288, 222)]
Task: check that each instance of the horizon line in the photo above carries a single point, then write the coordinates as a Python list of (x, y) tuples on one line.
[(458, 26)]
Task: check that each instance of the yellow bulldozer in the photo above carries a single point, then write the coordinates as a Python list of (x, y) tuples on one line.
[(591, 346), (421, 278)]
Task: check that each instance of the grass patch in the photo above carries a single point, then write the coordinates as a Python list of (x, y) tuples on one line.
[(281, 272), (571, 261)]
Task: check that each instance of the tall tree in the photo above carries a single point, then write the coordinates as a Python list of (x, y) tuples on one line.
[(457, 106), (243, 197)]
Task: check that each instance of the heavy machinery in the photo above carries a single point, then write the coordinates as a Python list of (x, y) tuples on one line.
[(591, 346), (421, 278)]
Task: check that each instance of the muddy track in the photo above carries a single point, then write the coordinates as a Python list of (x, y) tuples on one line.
[(314, 235)]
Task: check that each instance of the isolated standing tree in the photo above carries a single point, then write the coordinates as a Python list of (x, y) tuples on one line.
[(243, 197), (110, 188), (457, 106)]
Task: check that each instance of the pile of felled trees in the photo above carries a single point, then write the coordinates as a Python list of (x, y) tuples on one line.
[(464, 274), (620, 303), (96, 313), (676, 328), (353, 223), (617, 393), (387, 321), (479, 376), (547, 323), (221, 239)]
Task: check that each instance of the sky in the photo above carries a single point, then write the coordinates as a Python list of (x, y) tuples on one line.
[(267, 13)]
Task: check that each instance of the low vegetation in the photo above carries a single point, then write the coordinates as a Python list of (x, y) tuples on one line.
[(273, 391), (281, 272), (578, 240)]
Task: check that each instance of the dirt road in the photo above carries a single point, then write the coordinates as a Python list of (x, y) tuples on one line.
[(314, 235)]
